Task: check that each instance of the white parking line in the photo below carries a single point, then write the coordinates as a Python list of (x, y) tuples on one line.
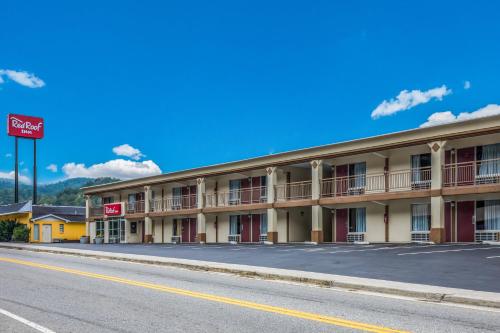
[(492, 257), (444, 251), (396, 248), (26, 322)]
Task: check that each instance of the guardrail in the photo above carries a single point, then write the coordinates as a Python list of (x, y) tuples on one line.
[(245, 196), (293, 191), (472, 173), (135, 207), (175, 203)]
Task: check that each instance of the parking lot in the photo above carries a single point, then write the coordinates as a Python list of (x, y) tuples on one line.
[(468, 266)]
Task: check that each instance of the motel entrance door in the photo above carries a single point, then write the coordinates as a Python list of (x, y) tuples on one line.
[(116, 228)]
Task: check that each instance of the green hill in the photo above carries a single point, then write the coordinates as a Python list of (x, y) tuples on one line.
[(65, 192)]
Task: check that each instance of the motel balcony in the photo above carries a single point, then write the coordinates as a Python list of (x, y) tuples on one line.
[(96, 211), (135, 207), (365, 184), (239, 197), (174, 203), (293, 191), (482, 173)]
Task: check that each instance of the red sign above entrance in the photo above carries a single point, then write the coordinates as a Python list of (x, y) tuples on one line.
[(24, 126), (113, 209)]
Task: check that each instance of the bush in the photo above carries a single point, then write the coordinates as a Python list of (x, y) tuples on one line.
[(21, 233), (6, 230)]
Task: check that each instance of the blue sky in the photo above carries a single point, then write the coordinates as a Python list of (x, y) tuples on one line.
[(192, 83)]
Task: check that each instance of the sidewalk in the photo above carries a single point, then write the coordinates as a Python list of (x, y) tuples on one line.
[(420, 291)]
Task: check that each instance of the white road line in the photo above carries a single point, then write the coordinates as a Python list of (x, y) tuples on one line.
[(444, 251), (26, 322)]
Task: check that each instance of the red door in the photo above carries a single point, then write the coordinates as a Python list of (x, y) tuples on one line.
[(341, 225), (185, 231), (256, 228), (341, 179), (465, 166), (185, 197), (245, 191), (256, 189), (465, 216), (449, 170), (447, 221), (192, 230), (245, 229)]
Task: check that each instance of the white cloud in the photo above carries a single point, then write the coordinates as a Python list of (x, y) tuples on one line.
[(10, 175), (52, 167), (408, 99), (128, 151), (118, 168), (23, 78), (467, 85), (439, 118)]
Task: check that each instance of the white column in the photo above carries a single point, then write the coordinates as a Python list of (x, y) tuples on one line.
[(201, 219), (148, 222), (106, 231), (87, 215), (437, 203), (317, 210), (272, 214)]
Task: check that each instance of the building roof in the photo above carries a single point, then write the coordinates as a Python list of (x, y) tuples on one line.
[(450, 131), (16, 208), (66, 213)]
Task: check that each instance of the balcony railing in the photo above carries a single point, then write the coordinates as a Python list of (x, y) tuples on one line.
[(472, 173), (135, 207), (293, 191), (96, 211), (404, 180), (175, 203), (245, 196)]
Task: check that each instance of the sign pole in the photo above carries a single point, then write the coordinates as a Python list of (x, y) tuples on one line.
[(16, 172), (34, 172)]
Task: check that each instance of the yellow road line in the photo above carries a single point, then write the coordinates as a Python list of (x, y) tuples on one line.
[(245, 304)]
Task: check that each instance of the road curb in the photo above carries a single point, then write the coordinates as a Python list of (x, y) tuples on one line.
[(422, 292)]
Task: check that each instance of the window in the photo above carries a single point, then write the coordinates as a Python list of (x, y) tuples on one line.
[(99, 228), (489, 160), (36, 232), (133, 227), (234, 191), (420, 217), (175, 228), (234, 225), (421, 170), (61, 228), (263, 224), (488, 215), (177, 197), (357, 175), (357, 219), (107, 200), (114, 230)]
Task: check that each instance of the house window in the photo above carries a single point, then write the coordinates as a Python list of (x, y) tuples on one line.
[(107, 200), (133, 227), (234, 225), (61, 228), (488, 215), (99, 228), (357, 219), (357, 175), (488, 157), (36, 232), (175, 228), (234, 191), (263, 224), (421, 170), (420, 217)]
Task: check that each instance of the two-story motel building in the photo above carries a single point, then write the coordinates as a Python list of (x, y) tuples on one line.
[(439, 184)]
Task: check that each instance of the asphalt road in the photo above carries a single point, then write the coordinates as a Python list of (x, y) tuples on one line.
[(72, 294), (466, 266)]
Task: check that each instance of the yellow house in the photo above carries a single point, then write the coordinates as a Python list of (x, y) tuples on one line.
[(47, 224)]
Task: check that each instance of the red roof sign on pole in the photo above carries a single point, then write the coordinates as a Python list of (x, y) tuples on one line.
[(24, 126)]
